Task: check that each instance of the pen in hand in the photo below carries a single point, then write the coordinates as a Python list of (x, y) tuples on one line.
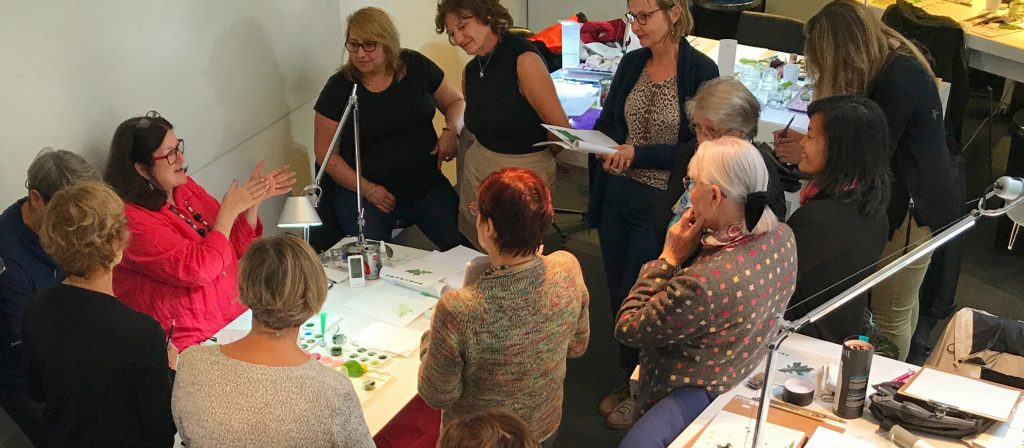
[(785, 130), (170, 332)]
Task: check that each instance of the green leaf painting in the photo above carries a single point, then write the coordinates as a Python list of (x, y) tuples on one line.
[(418, 271), (797, 368)]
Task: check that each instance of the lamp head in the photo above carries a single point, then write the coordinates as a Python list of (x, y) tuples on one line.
[(1011, 189), (298, 212)]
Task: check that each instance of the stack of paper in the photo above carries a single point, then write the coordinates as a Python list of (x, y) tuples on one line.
[(389, 338), (962, 393), (389, 303), (433, 273)]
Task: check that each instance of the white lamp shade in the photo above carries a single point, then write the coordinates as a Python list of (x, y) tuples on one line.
[(298, 211)]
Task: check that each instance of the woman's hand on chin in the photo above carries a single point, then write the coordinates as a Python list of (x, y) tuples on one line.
[(683, 238)]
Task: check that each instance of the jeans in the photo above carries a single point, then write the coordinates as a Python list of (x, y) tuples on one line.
[(895, 301), (435, 213), (664, 421), (628, 242)]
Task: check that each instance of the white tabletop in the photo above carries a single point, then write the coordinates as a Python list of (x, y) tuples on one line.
[(819, 352), (1000, 55), (393, 396)]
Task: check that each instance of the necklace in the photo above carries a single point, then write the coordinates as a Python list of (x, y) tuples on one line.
[(195, 215), (483, 66), (504, 267)]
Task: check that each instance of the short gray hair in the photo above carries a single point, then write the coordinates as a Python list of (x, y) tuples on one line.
[(737, 168), (729, 106), (54, 169)]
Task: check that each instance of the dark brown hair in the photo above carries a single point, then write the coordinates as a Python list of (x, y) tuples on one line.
[(490, 12), (518, 203), (135, 141), (488, 429)]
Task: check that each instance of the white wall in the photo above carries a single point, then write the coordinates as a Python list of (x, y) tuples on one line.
[(236, 77)]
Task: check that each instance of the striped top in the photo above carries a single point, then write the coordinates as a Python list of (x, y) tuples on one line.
[(705, 325), (501, 343)]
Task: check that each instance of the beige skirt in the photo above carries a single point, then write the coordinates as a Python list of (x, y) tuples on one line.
[(479, 162)]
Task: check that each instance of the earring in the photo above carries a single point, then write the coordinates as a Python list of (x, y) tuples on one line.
[(150, 185)]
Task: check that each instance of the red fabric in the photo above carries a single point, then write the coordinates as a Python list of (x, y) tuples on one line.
[(552, 36), (417, 425), (809, 191), (610, 31), (169, 272)]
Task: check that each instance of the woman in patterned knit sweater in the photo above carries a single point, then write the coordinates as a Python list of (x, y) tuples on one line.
[(502, 341), (700, 313)]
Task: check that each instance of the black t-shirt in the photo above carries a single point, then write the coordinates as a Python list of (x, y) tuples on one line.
[(396, 127), (100, 367), (497, 113)]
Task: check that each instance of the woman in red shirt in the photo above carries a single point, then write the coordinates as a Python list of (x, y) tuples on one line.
[(182, 259)]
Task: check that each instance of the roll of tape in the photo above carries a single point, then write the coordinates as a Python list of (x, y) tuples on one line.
[(798, 391)]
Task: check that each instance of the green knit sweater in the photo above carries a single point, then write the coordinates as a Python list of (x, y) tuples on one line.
[(502, 342)]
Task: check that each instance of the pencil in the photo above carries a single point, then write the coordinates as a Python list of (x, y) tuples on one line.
[(779, 404)]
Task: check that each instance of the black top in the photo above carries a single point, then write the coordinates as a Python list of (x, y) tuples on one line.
[(692, 70), (29, 270), (833, 242), (395, 127), (922, 167), (100, 367), (497, 113)]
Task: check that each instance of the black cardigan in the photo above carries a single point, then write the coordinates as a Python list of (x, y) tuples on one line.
[(693, 69), (922, 167), (833, 242), (101, 368)]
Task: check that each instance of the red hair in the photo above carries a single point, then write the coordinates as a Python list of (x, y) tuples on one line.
[(518, 203)]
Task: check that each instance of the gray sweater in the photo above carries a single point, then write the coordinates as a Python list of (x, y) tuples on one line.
[(223, 402)]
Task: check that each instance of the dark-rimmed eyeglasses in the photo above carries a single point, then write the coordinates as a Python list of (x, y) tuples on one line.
[(368, 47), (172, 156), (641, 17), (688, 184)]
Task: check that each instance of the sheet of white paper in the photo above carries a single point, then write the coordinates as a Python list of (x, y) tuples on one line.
[(391, 303), (727, 57), (963, 393), (827, 438), (389, 338)]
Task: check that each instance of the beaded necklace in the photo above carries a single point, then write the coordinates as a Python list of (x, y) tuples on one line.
[(195, 215), (504, 267)]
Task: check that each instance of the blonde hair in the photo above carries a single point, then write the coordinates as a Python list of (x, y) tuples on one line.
[(737, 168), (728, 104), (374, 25), (847, 47), (84, 228), (281, 280), (684, 25)]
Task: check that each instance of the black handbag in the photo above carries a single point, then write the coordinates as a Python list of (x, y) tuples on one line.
[(891, 409)]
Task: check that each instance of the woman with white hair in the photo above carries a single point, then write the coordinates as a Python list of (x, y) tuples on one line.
[(700, 313)]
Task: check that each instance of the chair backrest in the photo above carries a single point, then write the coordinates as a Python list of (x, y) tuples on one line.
[(770, 31)]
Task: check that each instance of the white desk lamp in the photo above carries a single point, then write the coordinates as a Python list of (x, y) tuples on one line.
[(1010, 189), (298, 211)]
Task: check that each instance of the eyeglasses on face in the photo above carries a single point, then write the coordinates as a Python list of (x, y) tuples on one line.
[(641, 17), (172, 156), (368, 46), (707, 131)]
